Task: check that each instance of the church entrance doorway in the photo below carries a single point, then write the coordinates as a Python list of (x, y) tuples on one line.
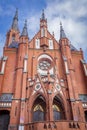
[(4, 119), (86, 116)]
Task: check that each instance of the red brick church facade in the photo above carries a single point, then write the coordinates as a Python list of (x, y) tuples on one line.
[(43, 82)]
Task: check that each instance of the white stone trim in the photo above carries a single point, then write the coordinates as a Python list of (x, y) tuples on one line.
[(85, 69), (3, 64), (21, 127), (3, 67), (66, 67), (25, 66)]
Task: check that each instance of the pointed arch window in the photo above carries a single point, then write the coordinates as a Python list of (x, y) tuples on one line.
[(37, 43), (38, 110), (56, 112), (42, 32), (50, 44), (58, 109), (13, 37), (38, 113), (3, 64)]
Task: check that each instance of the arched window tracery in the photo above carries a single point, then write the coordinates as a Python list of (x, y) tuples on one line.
[(39, 107), (13, 37), (45, 64), (58, 109)]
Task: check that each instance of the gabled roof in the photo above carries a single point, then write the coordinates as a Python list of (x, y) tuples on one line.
[(73, 48)]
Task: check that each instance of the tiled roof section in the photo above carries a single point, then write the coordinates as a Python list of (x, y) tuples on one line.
[(73, 48), (13, 45)]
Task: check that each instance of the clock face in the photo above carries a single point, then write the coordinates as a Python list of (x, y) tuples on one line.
[(45, 64)]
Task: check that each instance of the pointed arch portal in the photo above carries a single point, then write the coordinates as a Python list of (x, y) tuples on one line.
[(85, 115), (58, 109), (39, 107), (4, 119)]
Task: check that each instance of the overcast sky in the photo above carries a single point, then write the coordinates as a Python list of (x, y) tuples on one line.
[(72, 14)]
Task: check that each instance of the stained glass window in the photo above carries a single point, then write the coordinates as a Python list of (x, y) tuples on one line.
[(38, 107), (38, 113), (56, 112)]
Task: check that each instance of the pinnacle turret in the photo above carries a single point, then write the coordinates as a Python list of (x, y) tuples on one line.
[(43, 20), (62, 33), (25, 32), (43, 15), (15, 21)]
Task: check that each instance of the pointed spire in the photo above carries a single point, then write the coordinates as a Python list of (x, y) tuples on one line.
[(62, 33), (43, 15), (15, 21), (25, 32)]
